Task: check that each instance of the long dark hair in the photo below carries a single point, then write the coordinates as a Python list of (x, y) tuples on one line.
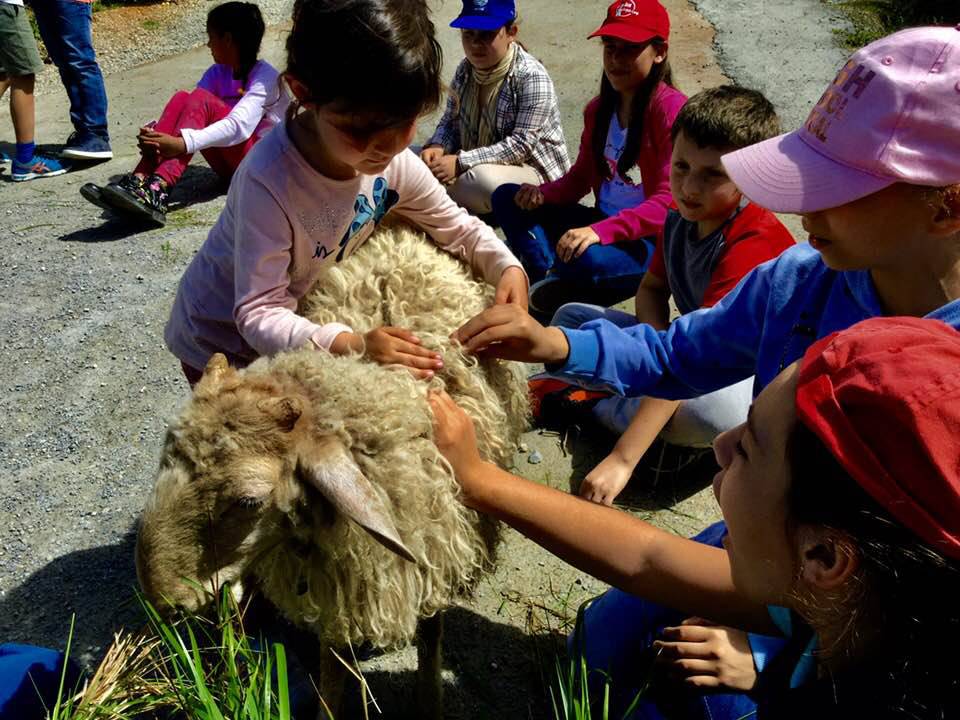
[(245, 24), (609, 101), (903, 605), (390, 50)]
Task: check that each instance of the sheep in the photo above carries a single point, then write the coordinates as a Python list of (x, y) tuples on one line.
[(316, 475)]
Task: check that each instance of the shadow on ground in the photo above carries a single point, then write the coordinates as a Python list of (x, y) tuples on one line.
[(199, 184), (97, 584)]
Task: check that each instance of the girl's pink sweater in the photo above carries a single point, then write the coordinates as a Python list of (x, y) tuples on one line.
[(656, 147), (283, 224)]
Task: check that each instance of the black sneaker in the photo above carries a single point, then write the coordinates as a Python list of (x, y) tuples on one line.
[(547, 295), (144, 198), (90, 148), (94, 193)]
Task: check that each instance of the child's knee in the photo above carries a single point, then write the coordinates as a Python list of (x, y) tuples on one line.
[(501, 199)]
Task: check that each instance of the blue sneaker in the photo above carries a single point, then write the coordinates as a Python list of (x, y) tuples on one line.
[(4, 158), (38, 167), (88, 148)]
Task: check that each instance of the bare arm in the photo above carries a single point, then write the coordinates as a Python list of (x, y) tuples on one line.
[(610, 545), (652, 302)]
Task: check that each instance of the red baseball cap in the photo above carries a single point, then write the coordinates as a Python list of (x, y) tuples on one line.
[(635, 21), (884, 398)]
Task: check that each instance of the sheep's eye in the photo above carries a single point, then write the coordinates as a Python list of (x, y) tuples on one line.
[(249, 502)]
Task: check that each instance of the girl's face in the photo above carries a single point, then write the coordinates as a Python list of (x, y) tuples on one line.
[(485, 48), (627, 64), (222, 49), (363, 150), (751, 488), (876, 232)]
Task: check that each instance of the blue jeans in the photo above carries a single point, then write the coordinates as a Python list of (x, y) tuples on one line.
[(65, 28), (606, 274), (618, 628)]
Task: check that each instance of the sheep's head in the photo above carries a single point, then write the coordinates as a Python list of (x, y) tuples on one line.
[(243, 467)]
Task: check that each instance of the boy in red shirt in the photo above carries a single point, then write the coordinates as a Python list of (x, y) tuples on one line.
[(712, 237)]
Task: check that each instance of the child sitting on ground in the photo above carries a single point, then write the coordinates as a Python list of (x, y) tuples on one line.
[(236, 102), (599, 254), (842, 495), (315, 189), (711, 239), (502, 123)]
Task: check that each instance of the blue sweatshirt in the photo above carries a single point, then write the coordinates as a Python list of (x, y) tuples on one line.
[(763, 325)]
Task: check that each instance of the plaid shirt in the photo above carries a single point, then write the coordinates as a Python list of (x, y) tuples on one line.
[(527, 125)]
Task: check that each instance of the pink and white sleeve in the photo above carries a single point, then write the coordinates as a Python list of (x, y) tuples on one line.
[(264, 309)]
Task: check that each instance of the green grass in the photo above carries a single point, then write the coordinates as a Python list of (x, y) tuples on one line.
[(196, 667), (873, 19)]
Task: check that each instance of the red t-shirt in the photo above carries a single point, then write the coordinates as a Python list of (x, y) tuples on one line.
[(753, 236)]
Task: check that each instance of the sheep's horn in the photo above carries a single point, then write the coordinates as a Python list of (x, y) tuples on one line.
[(331, 470)]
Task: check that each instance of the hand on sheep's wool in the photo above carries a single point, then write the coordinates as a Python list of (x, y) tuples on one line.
[(396, 346), (528, 197), (702, 654), (512, 288), (573, 243), (455, 438), (508, 332)]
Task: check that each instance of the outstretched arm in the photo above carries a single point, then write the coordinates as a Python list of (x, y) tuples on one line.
[(610, 545)]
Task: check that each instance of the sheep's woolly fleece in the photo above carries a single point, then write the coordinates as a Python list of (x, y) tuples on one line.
[(333, 576)]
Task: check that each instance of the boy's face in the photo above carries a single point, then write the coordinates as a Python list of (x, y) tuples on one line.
[(485, 48), (699, 184)]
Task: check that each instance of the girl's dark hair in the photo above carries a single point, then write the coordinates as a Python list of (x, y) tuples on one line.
[(609, 100), (378, 60), (245, 24), (903, 605)]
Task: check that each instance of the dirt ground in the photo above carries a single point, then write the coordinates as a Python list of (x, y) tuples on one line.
[(89, 385)]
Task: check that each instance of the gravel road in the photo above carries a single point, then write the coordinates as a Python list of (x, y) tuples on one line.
[(88, 385)]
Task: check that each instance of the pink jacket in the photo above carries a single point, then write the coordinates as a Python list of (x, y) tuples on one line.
[(656, 147)]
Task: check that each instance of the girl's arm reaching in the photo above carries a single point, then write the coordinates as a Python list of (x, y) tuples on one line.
[(610, 545)]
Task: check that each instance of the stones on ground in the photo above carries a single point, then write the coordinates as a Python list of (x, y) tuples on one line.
[(535, 458)]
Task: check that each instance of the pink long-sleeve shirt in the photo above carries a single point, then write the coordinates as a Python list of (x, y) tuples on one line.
[(653, 159), (282, 225)]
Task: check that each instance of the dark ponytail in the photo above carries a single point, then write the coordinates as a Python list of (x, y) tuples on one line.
[(902, 609), (609, 101), (378, 60), (245, 24)]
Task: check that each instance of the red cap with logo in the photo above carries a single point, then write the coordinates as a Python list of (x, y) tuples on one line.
[(635, 21), (884, 398)]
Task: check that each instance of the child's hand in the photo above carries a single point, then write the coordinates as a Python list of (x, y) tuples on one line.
[(455, 438), (167, 146), (528, 197), (508, 332), (606, 480), (512, 288), (706, 655), (573, 243), (444, 168), (396, 346), (431, 154)]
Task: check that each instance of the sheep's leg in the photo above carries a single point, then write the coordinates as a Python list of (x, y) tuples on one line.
[(333, 674), (429, 664)]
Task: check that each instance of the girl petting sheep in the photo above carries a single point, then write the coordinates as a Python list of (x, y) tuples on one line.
[(842, 497), (238, 99), (599, 254), (314, 190), (502, 122)]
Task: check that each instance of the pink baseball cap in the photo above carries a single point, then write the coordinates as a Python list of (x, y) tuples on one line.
[(891, 115)]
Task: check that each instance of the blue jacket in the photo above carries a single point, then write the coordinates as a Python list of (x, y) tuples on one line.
[(765, 323)]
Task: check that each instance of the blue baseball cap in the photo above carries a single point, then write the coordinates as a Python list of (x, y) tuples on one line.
[(485, 14)]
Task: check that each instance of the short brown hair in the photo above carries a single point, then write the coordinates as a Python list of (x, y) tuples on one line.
[(727, 116)]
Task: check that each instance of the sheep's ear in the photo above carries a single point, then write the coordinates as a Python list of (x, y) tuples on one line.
[(285, 410), (213, 375), (328, 466)]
